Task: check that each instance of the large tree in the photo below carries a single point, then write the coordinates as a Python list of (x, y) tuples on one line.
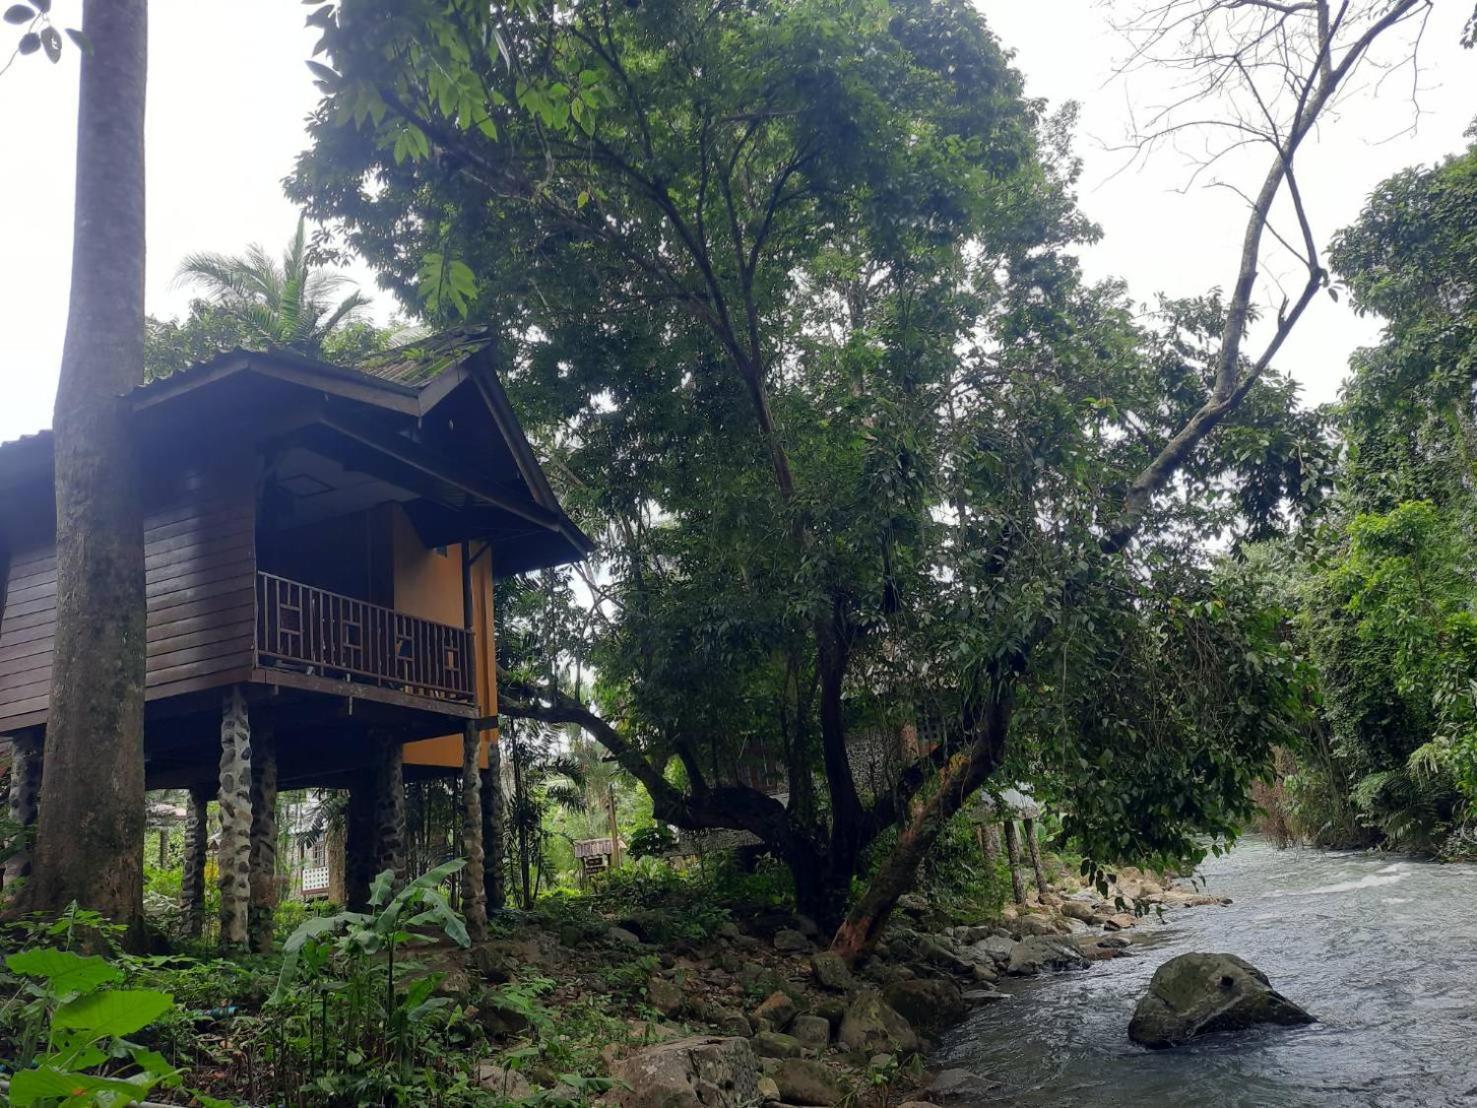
[(796, 308), (90, 831)]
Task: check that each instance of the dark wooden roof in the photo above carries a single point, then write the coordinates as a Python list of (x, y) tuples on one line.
[(431, 417)]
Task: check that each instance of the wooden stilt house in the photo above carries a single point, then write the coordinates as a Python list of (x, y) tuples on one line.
[(320, 549)]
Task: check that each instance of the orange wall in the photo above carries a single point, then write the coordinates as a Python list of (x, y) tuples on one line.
[(429, 585)]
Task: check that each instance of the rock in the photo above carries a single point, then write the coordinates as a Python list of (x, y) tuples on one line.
[(930, 1005), (700, 1071), (937, 951), (776, 1044), (768, 1090), (1036, 953), (665, 995), (730, 1021), (775, 1011), (730, 960), (917, 1104), (984, 973), (832, 1010), (806, 1081), (497, 1019), (832, 972), (960, 1085), (621, 937), (996, 947), (1120, 921), (506, 1082), (790, 941), (807, 927), (491, 963), (813, 1032), (970, 935), (1028, 925), (1078, 910), (871, 1026), (1112, 940), (912, 902), (1196, 994)]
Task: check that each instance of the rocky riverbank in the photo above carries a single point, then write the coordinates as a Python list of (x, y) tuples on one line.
[(760, 1013)]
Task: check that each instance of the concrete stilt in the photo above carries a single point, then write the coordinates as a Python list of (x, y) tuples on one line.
[(234, 856), (25, 796), (389, 807), (192, 879), (263, 902)]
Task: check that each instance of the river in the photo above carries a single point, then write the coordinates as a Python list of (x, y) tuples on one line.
[(1382, 950)]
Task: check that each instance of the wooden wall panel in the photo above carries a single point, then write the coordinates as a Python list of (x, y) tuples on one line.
[(200, 557)]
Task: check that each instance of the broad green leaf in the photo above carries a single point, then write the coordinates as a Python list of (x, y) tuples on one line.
[(116, 1012), (33, 1086), (64, 971)]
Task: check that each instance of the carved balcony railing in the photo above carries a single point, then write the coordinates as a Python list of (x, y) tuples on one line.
[(324, 634)]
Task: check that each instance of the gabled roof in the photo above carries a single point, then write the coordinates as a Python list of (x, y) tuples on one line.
[(432, 417)]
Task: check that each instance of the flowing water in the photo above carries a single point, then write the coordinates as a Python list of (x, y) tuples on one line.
[(1382, 950)]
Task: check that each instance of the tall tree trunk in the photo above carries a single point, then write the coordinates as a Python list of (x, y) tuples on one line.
[(90, 833), (197, 844), (474, 878)]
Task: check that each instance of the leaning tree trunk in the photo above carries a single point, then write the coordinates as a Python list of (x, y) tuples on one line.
[(964, 773), (90, 833)]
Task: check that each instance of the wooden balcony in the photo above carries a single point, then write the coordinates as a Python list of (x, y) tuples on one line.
[(338, 638)]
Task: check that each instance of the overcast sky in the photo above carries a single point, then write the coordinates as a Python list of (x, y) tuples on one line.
[(228, 93)]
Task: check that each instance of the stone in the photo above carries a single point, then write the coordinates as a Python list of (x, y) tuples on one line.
[(912, 902), (1197, 994), (954, 1085), (775, 1011), (984, 973), (497, 1019), (700, 1071), (1120, 921), (939, 952), (917, 1104), (813, 1032), (832, 972), (970, 934), (832, 1009), (995, 947), (789, 941), (807, 1082), (621, 937), (768, 1090), (490, 963), (930, 1005), (873, 1026), (1112, 940), (665, 995), (1036, 953), (776, 1044), (1078, 910), (1028, 925), (807, 927), (506, 1082), (730, 1021)]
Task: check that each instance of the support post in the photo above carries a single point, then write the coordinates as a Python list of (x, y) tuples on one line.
[(1034, 849), (192, 880), (474, 877), (389, 807), (25, 796), (359, 844), (1013, 855), (263, 901), (990, 842), (492, 828), (234, 857)]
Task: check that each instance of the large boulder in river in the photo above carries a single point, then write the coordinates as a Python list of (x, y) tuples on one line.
[(872, 1026), (931, 1004), (701, 1071), (1196, 994), (1037, 953)]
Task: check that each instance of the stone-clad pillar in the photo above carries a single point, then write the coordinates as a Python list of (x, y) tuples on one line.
[(234, 855), (389, 807), (192, 880), (1013, 855), (492, 828), (359, 842), (263, 901), (25, 796)]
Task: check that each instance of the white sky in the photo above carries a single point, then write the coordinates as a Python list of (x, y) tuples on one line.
[(228, 93)]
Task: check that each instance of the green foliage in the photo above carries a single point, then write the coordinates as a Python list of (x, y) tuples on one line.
[(71, 1028), (652, 841)]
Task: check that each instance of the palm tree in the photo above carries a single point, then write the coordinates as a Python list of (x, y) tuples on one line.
[(284, 305)]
